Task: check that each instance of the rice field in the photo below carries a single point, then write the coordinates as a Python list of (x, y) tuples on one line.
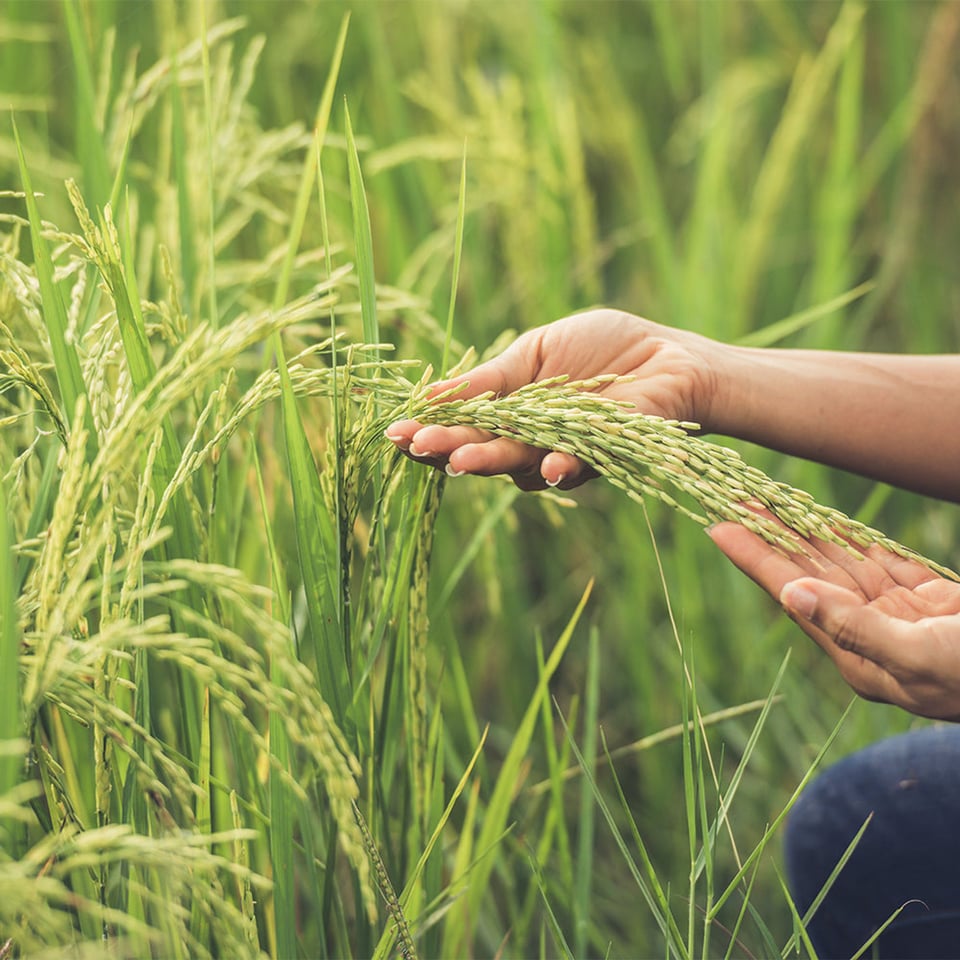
[(268, 688)]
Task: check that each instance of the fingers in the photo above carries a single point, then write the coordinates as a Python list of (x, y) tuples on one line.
[(434, 444), (564, 470), (460, 450), (508, 371), (903, 571), (762, 563), (872, 572), (846, 618), (914, 664)]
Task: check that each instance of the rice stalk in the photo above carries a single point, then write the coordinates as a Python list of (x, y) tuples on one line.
[(651, 456), (405, 946), (419, 622)]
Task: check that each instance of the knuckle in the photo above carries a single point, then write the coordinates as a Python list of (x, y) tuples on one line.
[(844, 628)]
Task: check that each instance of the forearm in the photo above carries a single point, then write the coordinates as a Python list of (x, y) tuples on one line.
[(890, 417)]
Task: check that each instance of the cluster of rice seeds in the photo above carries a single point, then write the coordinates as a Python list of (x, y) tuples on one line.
[(647, 456), (405, 944)]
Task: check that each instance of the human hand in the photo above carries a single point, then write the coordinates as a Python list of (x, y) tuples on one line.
[(890, 625), (674, 375)]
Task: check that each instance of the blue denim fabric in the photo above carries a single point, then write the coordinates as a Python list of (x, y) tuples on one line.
[(909, 854)]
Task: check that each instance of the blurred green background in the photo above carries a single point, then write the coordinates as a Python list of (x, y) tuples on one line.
[(718, 166)]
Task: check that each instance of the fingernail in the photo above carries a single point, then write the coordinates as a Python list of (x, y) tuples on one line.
[(415, 451), (557, 482), (450, 472), (396, 438), (799, 600)]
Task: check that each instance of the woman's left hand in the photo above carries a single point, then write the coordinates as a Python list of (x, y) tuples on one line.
[(890, 625)]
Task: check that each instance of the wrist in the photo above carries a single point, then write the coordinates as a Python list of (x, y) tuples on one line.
[(716, 374), (729, 401)]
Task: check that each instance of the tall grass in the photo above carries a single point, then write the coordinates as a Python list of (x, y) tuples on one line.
[(267, 688)]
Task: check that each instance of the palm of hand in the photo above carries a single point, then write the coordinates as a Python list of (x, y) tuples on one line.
[(915, 661), (890, 625), (669, 376)]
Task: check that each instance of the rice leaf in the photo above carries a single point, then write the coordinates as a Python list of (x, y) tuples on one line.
[(93, 157), (11, 724), (656, 898), (211, 170), (363, 240), (281, 839), (498, 808), (775, 332), (811, 84), (180, 157), (581, 906), (199, 927), (66, 362), (281, 822), (316, 551), (772, 828), (311, 169), (457, 251), (801, 934), (730, 792)]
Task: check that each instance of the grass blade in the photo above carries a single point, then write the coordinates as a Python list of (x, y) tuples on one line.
[(281, 823), (363, 240), (781, 329), (457, 251), (311, 169), (10, 722), (316, 551), (584, 868), (771, 830), (498, 809), (656, 898), (825, 889), (811, 84), (65, 360), (93, 157)]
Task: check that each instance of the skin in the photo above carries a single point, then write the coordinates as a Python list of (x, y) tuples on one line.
[(891, 626)]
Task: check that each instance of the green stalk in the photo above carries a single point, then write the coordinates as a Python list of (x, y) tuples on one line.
[(457, 251), (199, 926), (363, 241), (459, 931), (311, 171), (585, 824), (93, 157), (66, 362), (214, 317), (281, 822), (11, 724)]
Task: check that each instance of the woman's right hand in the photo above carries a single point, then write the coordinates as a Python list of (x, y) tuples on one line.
[(675, 376)]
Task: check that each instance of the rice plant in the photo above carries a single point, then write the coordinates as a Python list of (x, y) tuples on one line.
[(266, 688)]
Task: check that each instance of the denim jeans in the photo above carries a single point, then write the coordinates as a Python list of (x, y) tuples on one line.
[(909, 854)]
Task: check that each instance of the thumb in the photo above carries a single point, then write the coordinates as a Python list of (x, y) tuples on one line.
[(506, 372), (844, 616)]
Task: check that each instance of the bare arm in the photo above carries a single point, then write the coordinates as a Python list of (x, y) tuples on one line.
[(890, 417), (893, 418)]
